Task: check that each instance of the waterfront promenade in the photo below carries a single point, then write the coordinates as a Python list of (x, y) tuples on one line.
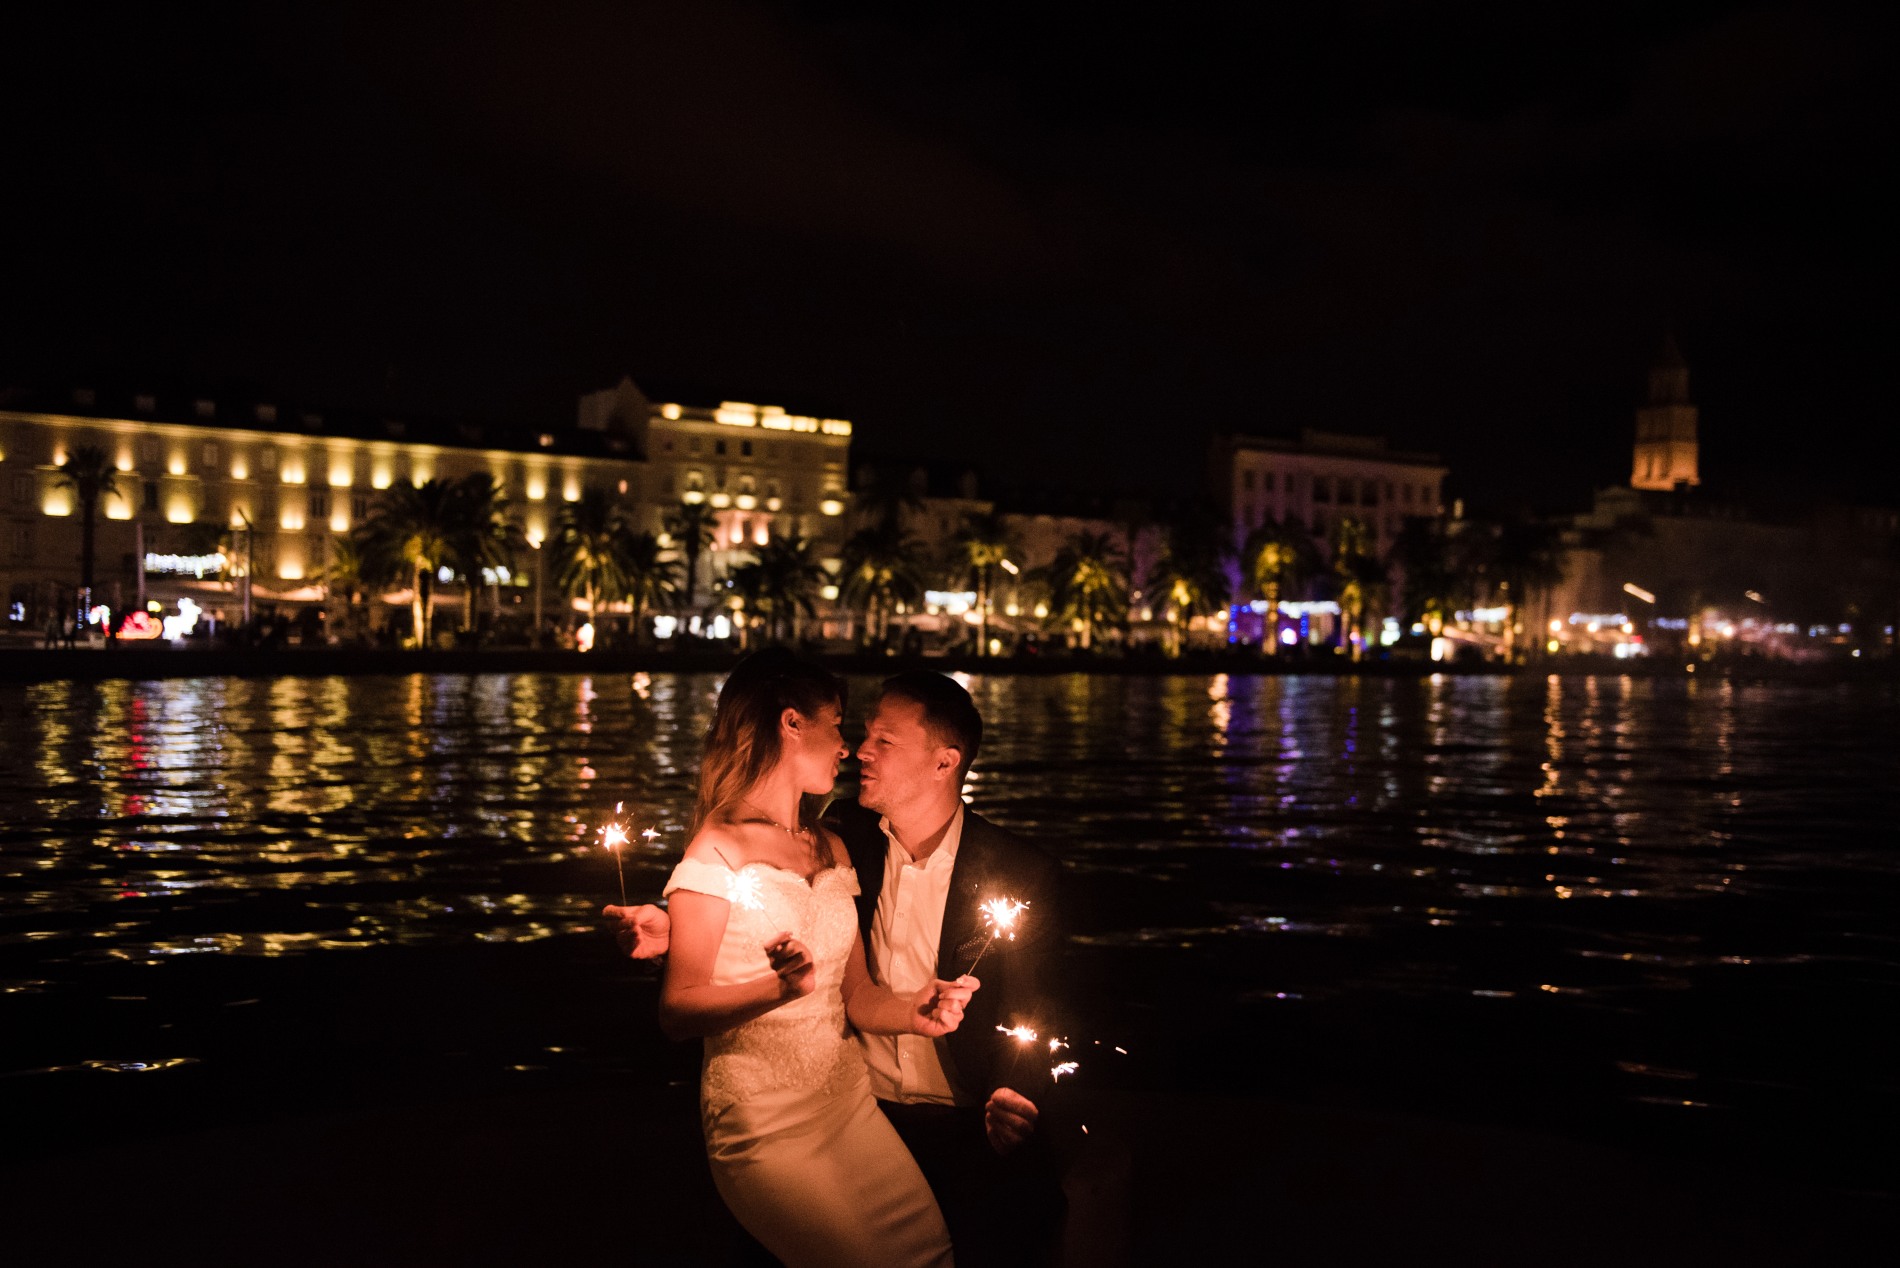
[(93, 664)]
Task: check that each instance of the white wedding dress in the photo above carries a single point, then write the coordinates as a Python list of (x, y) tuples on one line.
[(799, 1150)]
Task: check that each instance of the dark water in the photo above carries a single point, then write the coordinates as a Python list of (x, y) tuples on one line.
[(1655, 912)]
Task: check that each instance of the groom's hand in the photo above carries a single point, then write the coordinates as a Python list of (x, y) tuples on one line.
[(936, 1008), (644, 932), (1008, 1119)]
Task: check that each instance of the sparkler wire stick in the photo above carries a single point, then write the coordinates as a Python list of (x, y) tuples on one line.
[(613, 836), (1000, 914)]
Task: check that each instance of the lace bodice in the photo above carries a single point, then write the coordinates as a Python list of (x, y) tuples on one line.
[(805, 1044)]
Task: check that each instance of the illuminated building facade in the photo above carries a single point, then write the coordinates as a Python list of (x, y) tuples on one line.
[(1321, 478), (1666, 454), (765, 473), (272, 490)]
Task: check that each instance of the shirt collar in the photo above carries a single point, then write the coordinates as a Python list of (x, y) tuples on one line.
[(952, 838)]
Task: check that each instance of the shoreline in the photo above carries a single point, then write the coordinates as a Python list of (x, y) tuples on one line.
[(27, 665)]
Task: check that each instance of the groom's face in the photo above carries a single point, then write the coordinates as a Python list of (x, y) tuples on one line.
[(900, 760)]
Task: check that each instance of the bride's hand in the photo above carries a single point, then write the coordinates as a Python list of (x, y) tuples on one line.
[(936, 1008), (797, 975)]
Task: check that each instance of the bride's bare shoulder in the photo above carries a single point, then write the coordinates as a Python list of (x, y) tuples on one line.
[(833, 846), (719, 843)]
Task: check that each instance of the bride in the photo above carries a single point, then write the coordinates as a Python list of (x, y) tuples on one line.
[(767, 966)]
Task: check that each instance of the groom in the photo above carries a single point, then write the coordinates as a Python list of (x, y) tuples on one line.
[(965, 1104)]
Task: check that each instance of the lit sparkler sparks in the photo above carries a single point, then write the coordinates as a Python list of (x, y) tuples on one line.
[(613, 836), (1067, 1067), (1023, 1033), (652, 835), (742, 890), (1001, 915)]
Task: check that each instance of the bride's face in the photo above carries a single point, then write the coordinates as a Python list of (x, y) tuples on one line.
[(817, 748)]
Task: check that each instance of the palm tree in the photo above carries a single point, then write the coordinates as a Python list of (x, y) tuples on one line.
[(1525, 560), (417, 526), (1276, 558), (90, 475), (881, 570), (486, 538), (1191, 575), (690, 525), (590, 550), (781, 584), (352, 573), (1088, 581), (884, 497), (1434, 572), (981, 546), (1360, 576), (652, 579)]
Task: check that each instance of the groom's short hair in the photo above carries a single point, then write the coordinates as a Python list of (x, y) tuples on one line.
[(948, 710)]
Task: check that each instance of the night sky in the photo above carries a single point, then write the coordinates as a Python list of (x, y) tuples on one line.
[(1066, 241)]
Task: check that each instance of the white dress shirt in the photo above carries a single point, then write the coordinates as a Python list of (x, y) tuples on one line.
[(904, 936)]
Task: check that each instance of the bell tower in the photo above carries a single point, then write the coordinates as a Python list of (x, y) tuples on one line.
[(1665, 426)]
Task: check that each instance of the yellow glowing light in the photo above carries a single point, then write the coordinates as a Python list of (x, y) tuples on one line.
[(692, 497), (379, 477), (831, 506), (571, 489), (124, 462), (290, 571), (1553, 645), (1022, 1033), (722, 499), (341, 476), (177, 464), (118, 509), (1001, 915), (290, 518), (742, 890), (745, 501), (291, 472), (179, 512), (773, 504), (57, 502), (339, 520), (829, 593), (669, 411), (1556, 626), (537, 487), (239, 471)]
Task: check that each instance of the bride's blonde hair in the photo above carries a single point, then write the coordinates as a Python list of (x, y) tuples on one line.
[(743, 742)]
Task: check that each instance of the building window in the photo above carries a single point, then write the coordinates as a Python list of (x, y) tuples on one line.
[(1322, 489), (1246, 480), (22, 488), (205, 409), (151, 495), (1369, 494), (145, 402), (1406, 492), (211, 453), (22, 539), (1266, 481), (267, 459), (148, 451), (745, 449), (719, 448), (319, 503), (359, 506), (1345, 492)]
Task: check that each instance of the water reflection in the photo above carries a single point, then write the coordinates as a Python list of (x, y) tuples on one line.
[(1541, 848)]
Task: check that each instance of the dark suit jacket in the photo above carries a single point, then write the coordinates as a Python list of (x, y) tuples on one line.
[(991, 863)]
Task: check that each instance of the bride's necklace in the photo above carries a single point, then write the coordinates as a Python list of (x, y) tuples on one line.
[(796, 834)]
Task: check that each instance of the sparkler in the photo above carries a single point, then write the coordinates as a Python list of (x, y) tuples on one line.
[(1001, 915), (742, 890), (613, 836)]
